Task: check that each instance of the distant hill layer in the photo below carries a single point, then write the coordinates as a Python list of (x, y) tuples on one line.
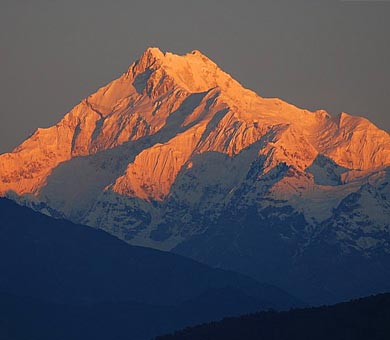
[(54, 272)]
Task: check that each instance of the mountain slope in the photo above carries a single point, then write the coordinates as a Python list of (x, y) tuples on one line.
[(73, 277), (57, 260), (367, 318), (176, 155)]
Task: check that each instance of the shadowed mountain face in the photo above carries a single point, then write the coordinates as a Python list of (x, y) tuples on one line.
[(59, 261), (84, 282), (176, 155), (367, 318)]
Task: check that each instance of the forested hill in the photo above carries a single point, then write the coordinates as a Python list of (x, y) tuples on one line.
[(363, 319)]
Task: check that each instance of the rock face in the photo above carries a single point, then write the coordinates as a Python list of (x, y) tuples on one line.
[(177, 155)]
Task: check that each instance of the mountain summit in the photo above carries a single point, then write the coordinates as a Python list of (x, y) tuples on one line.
[(177, 155), (189, 92)]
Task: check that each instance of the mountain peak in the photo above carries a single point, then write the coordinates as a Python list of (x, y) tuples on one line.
[(148, 59), (193, 71), (155, 51), (157, 54), (196, 52)]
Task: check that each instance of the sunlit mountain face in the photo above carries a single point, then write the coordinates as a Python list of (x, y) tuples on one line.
[(176, 155)]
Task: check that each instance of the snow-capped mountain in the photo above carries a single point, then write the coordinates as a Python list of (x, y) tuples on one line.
[(177, 155)]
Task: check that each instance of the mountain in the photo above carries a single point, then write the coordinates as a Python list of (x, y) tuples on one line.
[(65, 281), (367, 318), (176, 155)]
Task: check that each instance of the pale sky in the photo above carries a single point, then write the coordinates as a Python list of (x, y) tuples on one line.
[(331, 55)]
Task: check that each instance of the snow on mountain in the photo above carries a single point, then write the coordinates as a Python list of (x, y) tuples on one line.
[(161, 155)]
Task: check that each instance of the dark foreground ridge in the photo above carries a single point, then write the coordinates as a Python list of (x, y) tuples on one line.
[(363, 319), (60, 280)]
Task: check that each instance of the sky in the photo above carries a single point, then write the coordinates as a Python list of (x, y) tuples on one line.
[(331, 55)]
